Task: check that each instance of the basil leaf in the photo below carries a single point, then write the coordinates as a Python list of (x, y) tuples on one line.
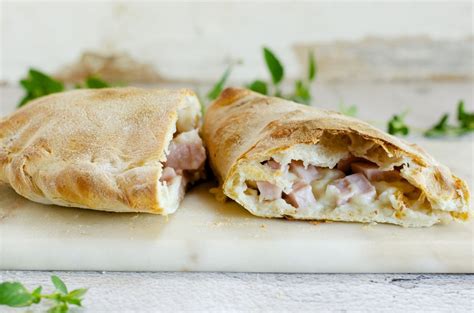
[(259, 86), (312, 67), (302, 93), (38, 84), (77, 293), (219, 86), (37, 294), (273, 65), (95, 83), (440, 128), (397, 126), (465, 119), (14, 294), (348, 110), (59, 284)]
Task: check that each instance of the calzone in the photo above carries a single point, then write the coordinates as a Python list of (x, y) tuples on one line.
[(115, 149), (278, 158)]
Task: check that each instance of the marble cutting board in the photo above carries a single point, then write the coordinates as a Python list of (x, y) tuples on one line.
[(205, 235)]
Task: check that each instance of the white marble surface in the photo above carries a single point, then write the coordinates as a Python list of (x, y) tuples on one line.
[(205, 235)]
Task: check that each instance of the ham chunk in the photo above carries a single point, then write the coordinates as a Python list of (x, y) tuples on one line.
[(168, 174), (307, 174), (350, 186), (373, 173), (268, 191), (301, 196), (186, 152), (274, 165), (345, 164)]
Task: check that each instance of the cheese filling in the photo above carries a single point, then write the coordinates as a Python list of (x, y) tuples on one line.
[(185, 159), (354, 187)]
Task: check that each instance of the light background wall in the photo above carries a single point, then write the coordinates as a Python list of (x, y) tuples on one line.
[(196, 40)]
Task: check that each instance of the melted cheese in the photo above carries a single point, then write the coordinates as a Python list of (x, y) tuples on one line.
[(393, 200)]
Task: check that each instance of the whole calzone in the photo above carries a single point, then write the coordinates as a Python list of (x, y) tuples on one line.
[(278, 158), (116, 149)]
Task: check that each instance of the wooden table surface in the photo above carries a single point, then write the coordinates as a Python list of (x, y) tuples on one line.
[(213, 292)]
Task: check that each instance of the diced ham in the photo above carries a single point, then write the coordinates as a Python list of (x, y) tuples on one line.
[(345, 164), (301, 196), (186, 152), (273, 164), (352, 185), (306, 174), (168, 174), (268, 191), (373, 173)]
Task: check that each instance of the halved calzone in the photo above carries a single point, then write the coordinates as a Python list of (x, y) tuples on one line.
[(278, 158), (116, 149)]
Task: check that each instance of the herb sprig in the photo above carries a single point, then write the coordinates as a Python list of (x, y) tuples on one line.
[(14, 294), (397, 126), (302, 90), (349, 110), (94, 82), (38, 84), (219, 86), (442, 128)]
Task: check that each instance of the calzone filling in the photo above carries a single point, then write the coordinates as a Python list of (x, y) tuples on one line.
[(185, 159), (353, 188)]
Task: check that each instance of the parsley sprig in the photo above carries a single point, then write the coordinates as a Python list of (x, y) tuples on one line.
[(14, 294)]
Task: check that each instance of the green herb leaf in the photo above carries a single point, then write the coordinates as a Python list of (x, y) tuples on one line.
[(95, 83), (397, 126), (259, 86), (60, 308), (219, 86), (442, 128), (273, 65), (466, 120), (312, 70), (74, 301), (439, 129), (59, 284), (348, 110), (302, 93), (38, 84), (77, 293), (37, 294), (14, 294)]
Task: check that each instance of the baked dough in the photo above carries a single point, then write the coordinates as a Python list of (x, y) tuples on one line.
[(104, 149), (278, 158)]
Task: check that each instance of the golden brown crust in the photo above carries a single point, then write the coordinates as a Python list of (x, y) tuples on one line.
[(98, 149), (243, 125)]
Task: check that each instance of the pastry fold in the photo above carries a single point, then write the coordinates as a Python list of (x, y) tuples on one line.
[(115, 149), (278, 158)]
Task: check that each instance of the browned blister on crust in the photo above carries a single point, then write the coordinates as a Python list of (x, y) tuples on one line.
[(243, 128)]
